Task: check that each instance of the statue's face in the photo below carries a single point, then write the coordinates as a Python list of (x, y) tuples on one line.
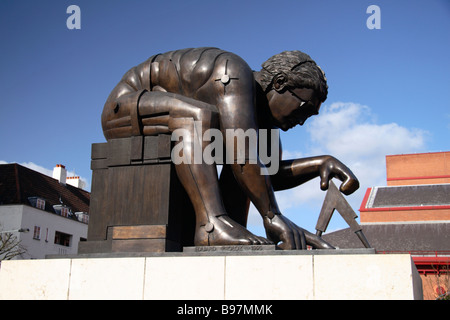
[(292, 106)]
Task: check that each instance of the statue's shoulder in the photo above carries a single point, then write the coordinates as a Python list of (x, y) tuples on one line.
[(188, 70), (205, 57)]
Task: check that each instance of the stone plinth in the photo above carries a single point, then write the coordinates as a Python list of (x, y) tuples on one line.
[(218, 277)]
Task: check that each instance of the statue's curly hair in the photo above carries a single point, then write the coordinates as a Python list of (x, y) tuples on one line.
[(300, 70)]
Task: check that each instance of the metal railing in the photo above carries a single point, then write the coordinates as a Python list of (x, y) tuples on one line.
[(420, 253)]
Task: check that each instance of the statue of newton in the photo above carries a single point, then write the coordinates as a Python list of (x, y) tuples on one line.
[(219, 90)]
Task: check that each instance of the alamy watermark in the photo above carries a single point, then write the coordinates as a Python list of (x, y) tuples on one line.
[(74, 20), (241, 147), (374, 20)]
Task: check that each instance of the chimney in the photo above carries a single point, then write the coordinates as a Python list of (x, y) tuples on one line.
[(75, 181), (59, 173)]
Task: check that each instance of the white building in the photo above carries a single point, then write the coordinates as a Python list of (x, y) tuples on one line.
[(54, 213)]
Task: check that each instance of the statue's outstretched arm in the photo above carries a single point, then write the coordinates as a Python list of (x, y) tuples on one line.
[(295, 172)]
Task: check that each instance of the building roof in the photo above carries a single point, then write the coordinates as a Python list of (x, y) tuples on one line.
[(396, 237), (409, 196), (18, 184), (411, 214)]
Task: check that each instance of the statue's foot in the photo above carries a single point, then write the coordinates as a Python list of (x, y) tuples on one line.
[(223, 231)]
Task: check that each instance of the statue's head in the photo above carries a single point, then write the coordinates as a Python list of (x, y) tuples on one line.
[(295, 87)]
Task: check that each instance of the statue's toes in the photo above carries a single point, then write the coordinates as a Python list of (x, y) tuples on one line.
[(256, 240)]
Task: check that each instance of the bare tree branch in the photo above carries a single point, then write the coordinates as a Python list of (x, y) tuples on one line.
[(10, 246)]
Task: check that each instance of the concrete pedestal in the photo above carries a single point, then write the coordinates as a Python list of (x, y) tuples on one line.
[(206, 277)]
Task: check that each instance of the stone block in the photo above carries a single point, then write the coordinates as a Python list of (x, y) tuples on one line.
[(190, 276), (362, 277), (185, 278), (269, 277), (35, 279), (107, 279)]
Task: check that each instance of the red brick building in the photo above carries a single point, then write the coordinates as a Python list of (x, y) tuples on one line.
[(410, 214)]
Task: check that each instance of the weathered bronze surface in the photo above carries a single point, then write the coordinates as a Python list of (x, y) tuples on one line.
[(216, 89)]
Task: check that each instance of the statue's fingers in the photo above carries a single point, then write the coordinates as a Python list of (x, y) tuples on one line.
[(288, 242), (349, 186), (299, 238), (324, 178)]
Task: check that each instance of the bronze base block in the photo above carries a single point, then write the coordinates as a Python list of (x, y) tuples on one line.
[(147, 238), (137, 202)]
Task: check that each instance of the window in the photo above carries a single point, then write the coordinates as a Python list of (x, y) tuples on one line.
[(37, 233), (62, 210), (37, 202), (65, 212), (40, 203), (63, 239), (82, 217)]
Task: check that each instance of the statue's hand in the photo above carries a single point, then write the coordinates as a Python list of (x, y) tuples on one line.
[(334, 168), (288, 236), (281, 229)]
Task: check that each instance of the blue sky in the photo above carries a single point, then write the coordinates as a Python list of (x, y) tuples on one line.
[(388, 88)]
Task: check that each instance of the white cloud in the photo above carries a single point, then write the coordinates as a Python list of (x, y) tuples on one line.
[(287, 154), (349, 129), (349, 132), (38, 168)]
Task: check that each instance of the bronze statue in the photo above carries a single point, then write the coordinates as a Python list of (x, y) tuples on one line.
[(219, 90)]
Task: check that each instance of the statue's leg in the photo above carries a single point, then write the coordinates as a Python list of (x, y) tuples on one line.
[(235, 200), (213, 225)]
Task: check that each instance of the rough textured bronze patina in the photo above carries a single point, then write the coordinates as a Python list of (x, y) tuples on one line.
[(217, 89)]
